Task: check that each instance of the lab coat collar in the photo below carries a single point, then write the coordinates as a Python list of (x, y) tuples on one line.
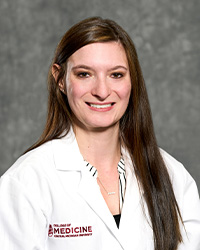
[(67, 156), (66, 153)]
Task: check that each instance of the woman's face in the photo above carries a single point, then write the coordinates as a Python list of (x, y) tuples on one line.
[(98, 85)]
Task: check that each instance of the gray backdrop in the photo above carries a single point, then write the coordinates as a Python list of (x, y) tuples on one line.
[(166, 34)]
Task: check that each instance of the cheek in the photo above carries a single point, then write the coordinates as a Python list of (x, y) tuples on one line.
[(74, 91), (124, 92)]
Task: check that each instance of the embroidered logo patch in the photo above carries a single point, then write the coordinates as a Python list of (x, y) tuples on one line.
[(67, 230)]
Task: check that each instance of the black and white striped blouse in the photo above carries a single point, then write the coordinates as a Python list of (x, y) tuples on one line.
[(122, 178)]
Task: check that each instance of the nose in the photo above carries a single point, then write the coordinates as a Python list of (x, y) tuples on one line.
[(101, 88)]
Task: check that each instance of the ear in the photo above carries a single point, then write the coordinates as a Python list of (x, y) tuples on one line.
[(55, 72)]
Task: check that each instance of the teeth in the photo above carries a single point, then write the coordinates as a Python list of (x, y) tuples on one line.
[(101, 106)]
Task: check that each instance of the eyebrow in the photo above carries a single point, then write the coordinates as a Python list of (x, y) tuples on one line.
[(90, 68)]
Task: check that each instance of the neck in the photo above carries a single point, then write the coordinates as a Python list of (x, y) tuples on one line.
[(101, 148)]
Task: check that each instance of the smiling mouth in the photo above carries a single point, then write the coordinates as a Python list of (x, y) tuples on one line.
[(100, 106)]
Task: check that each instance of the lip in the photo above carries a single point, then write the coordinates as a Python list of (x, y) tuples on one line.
[(100, 107)]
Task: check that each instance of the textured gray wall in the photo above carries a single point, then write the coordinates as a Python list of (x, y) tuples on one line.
[(166, 34)]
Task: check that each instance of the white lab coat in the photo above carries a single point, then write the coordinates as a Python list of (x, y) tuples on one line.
[(49, 201)]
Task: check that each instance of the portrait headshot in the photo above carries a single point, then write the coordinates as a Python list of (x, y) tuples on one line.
[(99, 125)]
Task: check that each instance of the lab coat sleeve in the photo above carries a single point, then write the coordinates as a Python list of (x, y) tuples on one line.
[(190, 209), (22, 223)]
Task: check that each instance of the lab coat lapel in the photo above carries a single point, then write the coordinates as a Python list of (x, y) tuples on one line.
[(90, 192), (131, 223), (133, 193)]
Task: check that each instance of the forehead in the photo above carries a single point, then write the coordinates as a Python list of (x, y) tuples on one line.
[(107, 53)]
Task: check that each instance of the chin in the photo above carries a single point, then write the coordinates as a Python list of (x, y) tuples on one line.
[(102, 126), (96, 124)]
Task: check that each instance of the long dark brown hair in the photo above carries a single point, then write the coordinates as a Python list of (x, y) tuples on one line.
[(136, 126)]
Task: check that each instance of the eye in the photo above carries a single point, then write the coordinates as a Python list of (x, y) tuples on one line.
[(117, 75), (83, 74)]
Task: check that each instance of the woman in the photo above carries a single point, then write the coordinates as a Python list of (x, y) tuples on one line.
[(96, 179)]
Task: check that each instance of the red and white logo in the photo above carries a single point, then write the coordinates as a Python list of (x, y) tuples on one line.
[(67, 230)]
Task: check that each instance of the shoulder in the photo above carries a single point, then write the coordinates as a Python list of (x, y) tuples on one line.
[(32, 159), (176, 170), (41, 158), (182, 182), (31, 166), (174, 167), (27, 180), (42, 162), (34, 174)]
